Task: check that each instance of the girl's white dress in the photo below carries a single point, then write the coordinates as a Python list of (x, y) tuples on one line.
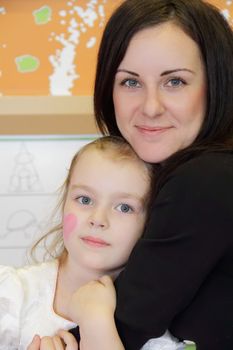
[(26, 308), (26, 304)]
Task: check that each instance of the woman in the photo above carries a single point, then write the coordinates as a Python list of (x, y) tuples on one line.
[(164, 82)]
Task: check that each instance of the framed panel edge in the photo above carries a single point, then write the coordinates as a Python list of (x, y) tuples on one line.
[(47, 115)]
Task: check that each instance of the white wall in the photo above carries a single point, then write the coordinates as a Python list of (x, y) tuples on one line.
[(32, 169)]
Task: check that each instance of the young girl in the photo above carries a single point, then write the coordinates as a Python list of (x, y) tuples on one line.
[(104, 206)]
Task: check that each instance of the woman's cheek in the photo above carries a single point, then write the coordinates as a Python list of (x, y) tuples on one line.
[(69, 224)]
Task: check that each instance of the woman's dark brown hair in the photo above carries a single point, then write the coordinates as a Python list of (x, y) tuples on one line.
[(213, 35)]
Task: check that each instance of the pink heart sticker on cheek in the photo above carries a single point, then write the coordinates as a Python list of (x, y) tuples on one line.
[(69, 224)]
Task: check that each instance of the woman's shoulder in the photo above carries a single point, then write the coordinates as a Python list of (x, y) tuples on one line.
[(207, 177), (209, 161), (207, 169), (198, 194)]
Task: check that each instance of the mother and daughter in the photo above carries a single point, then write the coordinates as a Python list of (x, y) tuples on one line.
[(163, 83), (104, 204)]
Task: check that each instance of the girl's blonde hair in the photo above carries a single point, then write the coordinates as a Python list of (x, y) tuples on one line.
[(118, 148)]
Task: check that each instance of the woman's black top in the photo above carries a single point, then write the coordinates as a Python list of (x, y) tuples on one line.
[(180, 274)]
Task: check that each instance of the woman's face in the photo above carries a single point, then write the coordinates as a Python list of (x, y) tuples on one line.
[(159, 92)]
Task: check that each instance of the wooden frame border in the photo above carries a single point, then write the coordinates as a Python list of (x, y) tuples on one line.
[(47, 115)]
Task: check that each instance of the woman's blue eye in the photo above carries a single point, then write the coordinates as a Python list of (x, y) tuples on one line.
[(175, 82), (84, 200), (124, 208), (130, 83)]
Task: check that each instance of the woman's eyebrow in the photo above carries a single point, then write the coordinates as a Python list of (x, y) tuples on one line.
[(128, 71), (162, 74), (166, 72)]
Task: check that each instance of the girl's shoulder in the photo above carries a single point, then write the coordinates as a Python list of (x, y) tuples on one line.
[(11, 291), (37, 275), (8, 277), (17, 280), (40, 268)]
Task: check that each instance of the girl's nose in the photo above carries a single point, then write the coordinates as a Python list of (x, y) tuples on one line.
[(153, 104), (98, 219)]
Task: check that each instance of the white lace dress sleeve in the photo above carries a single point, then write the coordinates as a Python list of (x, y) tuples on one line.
[(26, 304), (166, 342), (11, 299)]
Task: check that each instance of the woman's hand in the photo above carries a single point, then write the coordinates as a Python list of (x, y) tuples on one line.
[(62, 341)]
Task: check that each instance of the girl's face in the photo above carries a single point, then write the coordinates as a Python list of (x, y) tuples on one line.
[(159, 92), (104, 212)]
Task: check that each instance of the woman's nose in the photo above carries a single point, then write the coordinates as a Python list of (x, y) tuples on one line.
[(153, 103)]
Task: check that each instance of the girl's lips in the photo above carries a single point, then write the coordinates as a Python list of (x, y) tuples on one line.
[(94, 241)]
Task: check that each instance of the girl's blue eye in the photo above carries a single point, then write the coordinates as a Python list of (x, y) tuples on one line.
[(85, 200), (124, 208)]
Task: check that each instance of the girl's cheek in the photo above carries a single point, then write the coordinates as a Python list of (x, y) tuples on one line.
[(69, 224)]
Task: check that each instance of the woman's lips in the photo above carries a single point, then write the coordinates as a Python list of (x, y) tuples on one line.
[(152, 130), (94, 241)]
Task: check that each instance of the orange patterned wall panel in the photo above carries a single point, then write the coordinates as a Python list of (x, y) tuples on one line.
[(48, 47)]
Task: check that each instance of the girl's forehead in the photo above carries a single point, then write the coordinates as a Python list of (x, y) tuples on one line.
[(97, 170), (112, 157)]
